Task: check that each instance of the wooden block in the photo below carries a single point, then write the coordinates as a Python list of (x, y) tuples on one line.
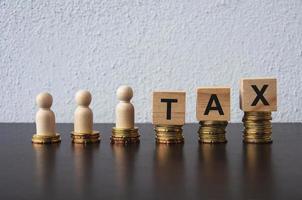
[(213, 104), (258, 94), (169, 107)]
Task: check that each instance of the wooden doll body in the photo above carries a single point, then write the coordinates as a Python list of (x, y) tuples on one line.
[(83, 116), (45, 117), (124, 111)]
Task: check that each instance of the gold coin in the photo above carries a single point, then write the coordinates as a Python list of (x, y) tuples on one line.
[(46, 139), (169, 141), (84, 138), (212, 131), (168, 134), (126, 140), (258, 127), (125, 135)]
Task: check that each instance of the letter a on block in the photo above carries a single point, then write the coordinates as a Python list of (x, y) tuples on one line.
[(258, 94), (213, 104), (169, 107)]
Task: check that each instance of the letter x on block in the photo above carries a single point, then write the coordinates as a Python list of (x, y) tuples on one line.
[(169, 107), (258, 94)]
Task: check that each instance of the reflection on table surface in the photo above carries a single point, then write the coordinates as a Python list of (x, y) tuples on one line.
[(149, 170), (212, 171), (83, 167), (45, 167), (258, 171), (168, 170)]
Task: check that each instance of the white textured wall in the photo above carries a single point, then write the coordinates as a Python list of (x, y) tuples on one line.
[(62, 46)]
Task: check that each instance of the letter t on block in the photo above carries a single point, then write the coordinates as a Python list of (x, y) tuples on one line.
[(213, 104), (169, 107), (258, 94)]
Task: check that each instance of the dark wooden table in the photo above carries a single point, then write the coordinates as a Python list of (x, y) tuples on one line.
[(149, 171)]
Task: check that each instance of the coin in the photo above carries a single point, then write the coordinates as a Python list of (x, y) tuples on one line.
[(84, 138), (124, 135), (258, 127), (212, 131), (168, 134), (46, 139)]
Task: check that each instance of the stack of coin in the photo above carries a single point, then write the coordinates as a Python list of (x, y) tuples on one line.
[(168, 134), (212, 131), (258, 127), (124, 135), (83, 138), (46, 139)]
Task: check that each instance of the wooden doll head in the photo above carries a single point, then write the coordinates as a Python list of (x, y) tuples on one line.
[(124, 93), (83, 98), (44, 100)]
